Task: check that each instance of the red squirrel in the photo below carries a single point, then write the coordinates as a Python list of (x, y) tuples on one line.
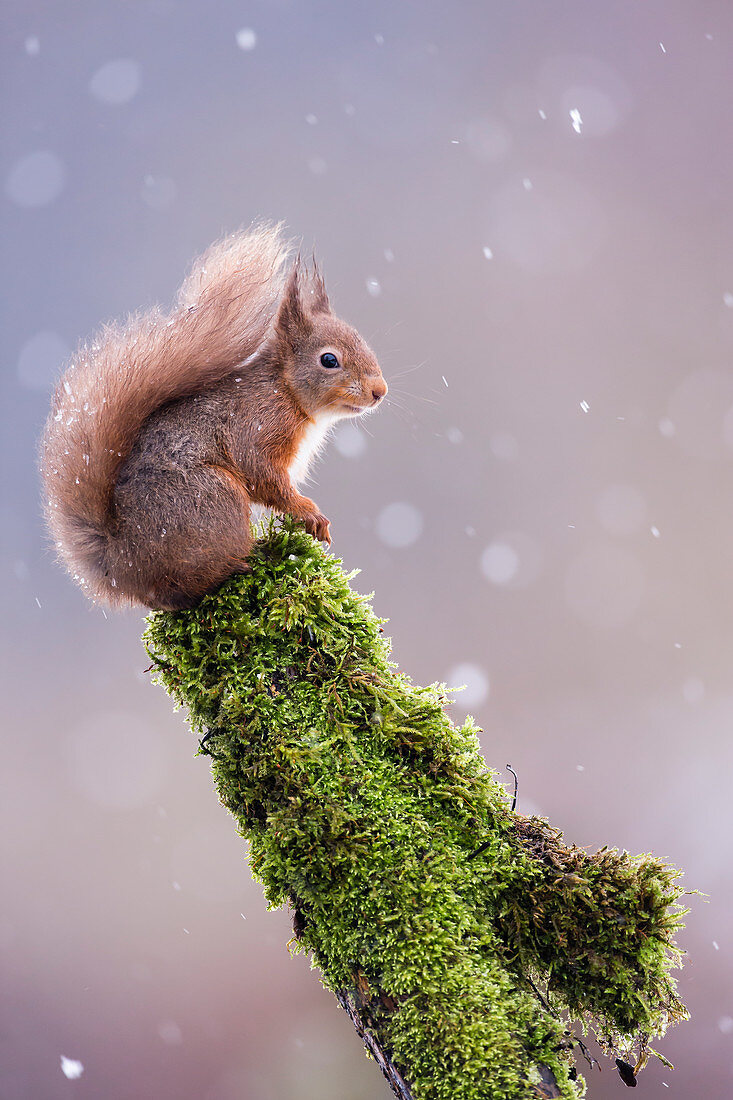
[(164, 431)]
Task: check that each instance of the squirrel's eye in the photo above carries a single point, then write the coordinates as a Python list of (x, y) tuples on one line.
[(329, 360)]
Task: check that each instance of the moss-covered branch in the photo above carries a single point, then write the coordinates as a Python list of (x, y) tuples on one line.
[(465, 941)]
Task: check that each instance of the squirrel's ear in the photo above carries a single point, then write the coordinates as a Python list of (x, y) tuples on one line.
[(292, 324), (318, 301)]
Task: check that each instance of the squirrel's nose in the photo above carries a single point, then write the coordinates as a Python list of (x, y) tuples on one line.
[(379, 389)]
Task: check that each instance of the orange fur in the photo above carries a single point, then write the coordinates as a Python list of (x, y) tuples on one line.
[(165, 429)]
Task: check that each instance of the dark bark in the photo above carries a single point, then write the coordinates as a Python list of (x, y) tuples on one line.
[(365, 1008)]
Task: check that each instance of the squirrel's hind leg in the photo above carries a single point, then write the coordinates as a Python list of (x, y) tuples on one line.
[(184, 532)]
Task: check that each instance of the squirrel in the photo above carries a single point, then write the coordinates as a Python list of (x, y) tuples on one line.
[(165, 430)]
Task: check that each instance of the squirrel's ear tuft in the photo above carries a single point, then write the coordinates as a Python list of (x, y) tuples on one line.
[(318, 298), (292, 323)]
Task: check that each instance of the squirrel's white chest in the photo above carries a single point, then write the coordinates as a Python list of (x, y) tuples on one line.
[(312, 442)]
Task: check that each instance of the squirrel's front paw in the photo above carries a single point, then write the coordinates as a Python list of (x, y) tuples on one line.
[(318, 526)]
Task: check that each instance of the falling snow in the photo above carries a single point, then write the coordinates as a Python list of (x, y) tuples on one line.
[(170, 1033), (399, 525), (246, 38), (349, 440), (693, 690), (474, 681), (500, 563), (36, 179), (117, 82), (71, 1068)]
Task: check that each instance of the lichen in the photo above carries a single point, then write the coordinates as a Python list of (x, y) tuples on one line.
[(481, 942)]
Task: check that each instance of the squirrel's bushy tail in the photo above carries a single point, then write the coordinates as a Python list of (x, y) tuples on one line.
[(113, 384)]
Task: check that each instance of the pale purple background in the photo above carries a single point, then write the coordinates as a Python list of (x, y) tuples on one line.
[(547, 501)]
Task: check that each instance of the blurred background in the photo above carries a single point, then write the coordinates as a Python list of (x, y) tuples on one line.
[(526, 209)]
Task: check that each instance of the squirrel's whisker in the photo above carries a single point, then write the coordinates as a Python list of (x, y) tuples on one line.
[(408, 370)]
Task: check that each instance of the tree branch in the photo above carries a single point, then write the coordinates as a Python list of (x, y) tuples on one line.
[(459, 936)]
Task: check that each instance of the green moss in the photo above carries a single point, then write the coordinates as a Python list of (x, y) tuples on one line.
[(364, 807)]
